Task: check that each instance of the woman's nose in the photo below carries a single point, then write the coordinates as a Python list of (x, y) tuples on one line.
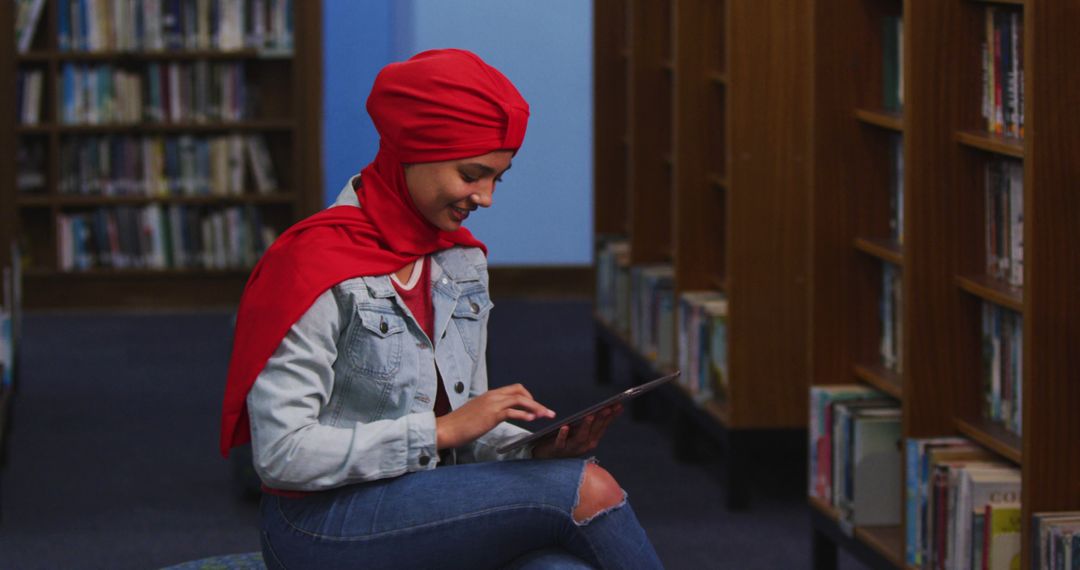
[(483, 198)]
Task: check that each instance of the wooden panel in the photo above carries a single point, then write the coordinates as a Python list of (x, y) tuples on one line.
[(941, 52), (1051, 259), (770, 115), (609, 117), (700, 220), (849, 161), (650, 133)]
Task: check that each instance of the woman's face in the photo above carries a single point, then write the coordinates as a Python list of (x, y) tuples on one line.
[(446, 192)]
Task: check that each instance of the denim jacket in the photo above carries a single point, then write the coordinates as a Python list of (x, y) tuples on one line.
[(349, 393)]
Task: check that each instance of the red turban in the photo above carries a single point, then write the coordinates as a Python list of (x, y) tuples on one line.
[(439, 105)]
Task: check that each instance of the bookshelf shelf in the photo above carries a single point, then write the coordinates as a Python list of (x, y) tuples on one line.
[(283, 106), (992, 436), (991, 143), (887, 540), (883, 249), (33, 273), (881, 378), (883, 119), (1005, 2), (877, 547), (121, 57), (993, 290), (76, 201)]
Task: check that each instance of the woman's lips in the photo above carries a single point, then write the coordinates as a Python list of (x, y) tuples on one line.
[(459, 214)]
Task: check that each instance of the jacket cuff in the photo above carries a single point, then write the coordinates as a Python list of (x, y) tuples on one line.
[(423, 453)]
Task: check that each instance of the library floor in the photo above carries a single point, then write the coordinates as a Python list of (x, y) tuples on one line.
[(113, 460)]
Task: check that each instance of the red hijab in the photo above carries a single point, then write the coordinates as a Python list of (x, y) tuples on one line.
[(439, 105)]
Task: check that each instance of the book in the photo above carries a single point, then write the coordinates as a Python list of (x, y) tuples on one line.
[(27, 15), (1001, 541)]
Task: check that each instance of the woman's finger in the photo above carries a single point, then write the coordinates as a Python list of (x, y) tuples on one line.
[(529, 404), (560, 439), (515, 414)]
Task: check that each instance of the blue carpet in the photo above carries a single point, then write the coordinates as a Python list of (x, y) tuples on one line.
[(114, 459)]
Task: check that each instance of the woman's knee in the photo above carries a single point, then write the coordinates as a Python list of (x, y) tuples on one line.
[(598, 492)]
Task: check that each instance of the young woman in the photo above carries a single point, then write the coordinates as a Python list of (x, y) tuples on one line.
[(359, 375)]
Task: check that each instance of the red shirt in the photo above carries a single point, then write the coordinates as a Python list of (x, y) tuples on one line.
[(418, 300)]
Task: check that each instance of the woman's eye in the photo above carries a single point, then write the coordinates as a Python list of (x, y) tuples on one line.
[(498, 180), (468, 178)]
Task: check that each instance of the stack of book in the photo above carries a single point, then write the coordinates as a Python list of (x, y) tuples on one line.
[(157, 166), (171, 92), (855, 454), (702, 345), (613, 283), (1005, 220), (1003, 71), (1003, 381), (126, 25), (892, 318), (652, 312), (963, 507), (1056, 541), (152, 237)]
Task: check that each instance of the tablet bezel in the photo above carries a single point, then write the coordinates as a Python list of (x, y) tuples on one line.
[(625, 395)]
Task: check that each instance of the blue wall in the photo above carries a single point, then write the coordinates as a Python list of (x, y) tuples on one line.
[(543, 209), (358, 40)]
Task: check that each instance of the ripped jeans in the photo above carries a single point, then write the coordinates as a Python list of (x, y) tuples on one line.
[(515, 514)]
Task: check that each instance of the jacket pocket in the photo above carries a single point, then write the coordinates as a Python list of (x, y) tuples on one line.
[(375, 342), (470, 318)]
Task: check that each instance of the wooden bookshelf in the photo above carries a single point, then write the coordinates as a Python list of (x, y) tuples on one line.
[(714, 175), (883, 249), (286, 108), (881, 378), (946, 148), (730, 208)]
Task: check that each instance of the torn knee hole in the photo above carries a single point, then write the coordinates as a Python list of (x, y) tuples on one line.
[(598, 493)]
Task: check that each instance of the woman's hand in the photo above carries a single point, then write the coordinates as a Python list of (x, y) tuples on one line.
[(583, 438), (482, 413)]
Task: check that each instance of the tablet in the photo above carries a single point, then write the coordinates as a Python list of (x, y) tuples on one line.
[(619, 398)]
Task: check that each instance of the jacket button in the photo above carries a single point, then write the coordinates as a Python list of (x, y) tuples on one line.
[(459, 387), (474, 308), (424, 460), (383, 327)]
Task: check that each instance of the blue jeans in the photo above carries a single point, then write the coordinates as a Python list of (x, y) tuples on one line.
[(481, 515)]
